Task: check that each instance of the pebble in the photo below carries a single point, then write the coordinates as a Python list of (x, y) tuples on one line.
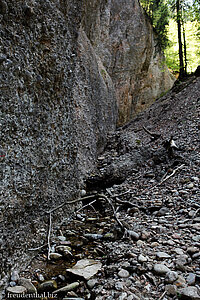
[(162, 255), (142, 258), (18, 289), (191, 278), (171, 276), (91, 283), (55, 256), (14, 275), (123, 273), (160, 269), (31, 289), (134, 235), (171, 289), (67, 288), (190, 293), (47, 286)]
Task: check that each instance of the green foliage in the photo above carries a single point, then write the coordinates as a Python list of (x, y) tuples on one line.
[(158, 12), (192, 43)]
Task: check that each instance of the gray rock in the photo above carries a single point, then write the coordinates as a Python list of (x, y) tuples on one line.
[(14, 275), (134, 235), (18, 289), (91, 283), (67, 288), (119, 286), (160, 269), (171, 277), (162, 255), (191, 278), (171, 289), (48, 286), (142, 258), (189, 293), (31, 289), (123, 273)]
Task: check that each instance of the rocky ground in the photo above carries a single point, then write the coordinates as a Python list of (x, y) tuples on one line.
[(138, 234)]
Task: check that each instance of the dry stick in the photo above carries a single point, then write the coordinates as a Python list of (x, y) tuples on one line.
[(196, 212), (71, 202), (174, 171), (162, 295), (38, 248), (49, 236), (86, 206), (166, 178), (113, 209), (155, 135)]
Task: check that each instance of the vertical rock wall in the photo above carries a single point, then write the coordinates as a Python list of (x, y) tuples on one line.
[(56, 110), (65, 67), (122, 36)]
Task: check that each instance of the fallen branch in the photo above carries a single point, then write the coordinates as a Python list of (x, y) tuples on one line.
[(71, 202), (38, 248), (196, 212), (161, 297), (84, 206), (154, 135), (172, 174), (49, 237), (123, 225)]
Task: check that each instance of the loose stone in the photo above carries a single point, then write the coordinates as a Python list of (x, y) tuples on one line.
[(31, 289), (162, 255), (190, 293), (191, 278), (160, 269), (171, 277), (18, 289), (123, 273), (67, 288), (48, 286)]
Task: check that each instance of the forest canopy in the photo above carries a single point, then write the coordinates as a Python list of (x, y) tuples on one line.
[(177, 27)]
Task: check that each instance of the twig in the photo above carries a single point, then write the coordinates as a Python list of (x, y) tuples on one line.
[(196, 212), (49, 236), (71, 202), (174, 171), (38, 248), (161, 297), (84, 206), (154, 135), (114, 211)]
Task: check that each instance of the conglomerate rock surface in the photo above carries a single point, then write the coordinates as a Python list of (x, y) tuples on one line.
[(59, 96)]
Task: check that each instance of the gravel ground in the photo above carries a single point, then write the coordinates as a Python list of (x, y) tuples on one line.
[(143, 224)]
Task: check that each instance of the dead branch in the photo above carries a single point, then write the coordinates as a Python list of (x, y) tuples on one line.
[(196, 212), (154, 135), (122, 225), (172, 174), (38, 248), (49, 237), (71, 202), (84, 206), (161, 297)]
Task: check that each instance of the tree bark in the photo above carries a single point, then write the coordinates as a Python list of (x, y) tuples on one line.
[(181, 63)]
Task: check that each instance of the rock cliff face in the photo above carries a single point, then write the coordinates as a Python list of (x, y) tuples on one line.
[(122, 36), (65, 68)]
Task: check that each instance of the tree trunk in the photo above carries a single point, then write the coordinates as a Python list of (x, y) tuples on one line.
[(185, 49), (181, 64)]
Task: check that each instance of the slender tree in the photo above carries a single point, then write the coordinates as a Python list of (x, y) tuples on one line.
[(179, 21)]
